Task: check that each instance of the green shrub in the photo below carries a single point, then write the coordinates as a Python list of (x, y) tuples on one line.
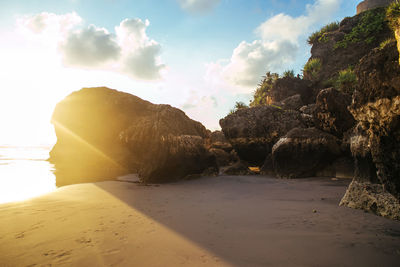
[(393, 13), (238, 105), (320, 35), (371, 23), (312, 68), (346, 81), (275, 106), (288, 73), (329, 82), (386, 42), (260, 96)]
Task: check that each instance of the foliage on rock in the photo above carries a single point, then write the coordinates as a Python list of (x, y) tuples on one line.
[(288, 73), (260, 96), (371, 22), (312, 68), (321, 35), (393, 14), (346, 81), (238, 105)]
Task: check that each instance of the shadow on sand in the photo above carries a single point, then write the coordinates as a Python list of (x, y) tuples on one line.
[(262, 221)]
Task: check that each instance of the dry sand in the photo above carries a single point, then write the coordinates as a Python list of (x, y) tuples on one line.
[(214, 221)]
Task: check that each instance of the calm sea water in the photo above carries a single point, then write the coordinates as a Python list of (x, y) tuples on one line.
[(25, 173)]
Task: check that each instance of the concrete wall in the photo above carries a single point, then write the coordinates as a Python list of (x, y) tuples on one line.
[(369, 4)]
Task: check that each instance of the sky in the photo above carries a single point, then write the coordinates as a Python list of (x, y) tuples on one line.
[(197, 55)]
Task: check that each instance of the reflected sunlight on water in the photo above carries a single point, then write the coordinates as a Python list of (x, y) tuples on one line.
[(25, 173)]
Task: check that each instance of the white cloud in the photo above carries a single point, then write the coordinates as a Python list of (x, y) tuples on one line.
[(89, 47), (278, 45), (285, 27), (140, 54), (250, 61), (129, 50), (50, 23), (198, 6)]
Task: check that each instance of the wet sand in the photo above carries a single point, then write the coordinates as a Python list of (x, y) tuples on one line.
[(212, 221)]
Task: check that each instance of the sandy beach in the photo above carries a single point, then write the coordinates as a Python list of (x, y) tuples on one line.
[(212, 221)]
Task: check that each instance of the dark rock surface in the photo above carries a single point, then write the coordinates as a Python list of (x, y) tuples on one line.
[(376, 141), (331, 114), (217, 140), (268, 167), (378, 77), (334, 60), (371, 197), (221, 149), (308, 109), (304, 152), (287, 86), (238, 168), (102, 133), (223, 158), (253, 131), (342, 167), (292, 102)]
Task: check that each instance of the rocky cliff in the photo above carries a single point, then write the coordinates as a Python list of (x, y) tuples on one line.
[(103, 133), (349, 125), (375, 143)]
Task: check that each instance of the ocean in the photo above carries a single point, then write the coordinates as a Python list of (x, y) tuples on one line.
[(25, 173)]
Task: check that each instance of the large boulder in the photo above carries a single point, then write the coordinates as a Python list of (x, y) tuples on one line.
[(253, 131), (334, 57), (237, 168), (292, 102), (303, 152), (376, 141), (102, 133), (331, 114), (289, 86), (217, 140), (222, 150), (222, 157)]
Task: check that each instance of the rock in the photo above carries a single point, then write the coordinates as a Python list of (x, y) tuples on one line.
[(223, 158), (365, 169), (268, 167), (217, 140), (308, 109), (376, 106), (227, 147), (378, 77), (375, 144), (173, 158), (307, 120), (306, 115), (287, 86), (238, 168), (292, 102), (103, 133), (253, 131), (304, 152), (331, 114), (372, 198), (217, 137), (221, 149), (351, 54), (342, 167)]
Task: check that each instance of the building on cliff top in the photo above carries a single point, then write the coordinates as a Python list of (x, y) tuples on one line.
[(370, 4)]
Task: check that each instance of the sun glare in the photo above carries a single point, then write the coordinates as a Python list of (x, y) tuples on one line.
[(27, 173)]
